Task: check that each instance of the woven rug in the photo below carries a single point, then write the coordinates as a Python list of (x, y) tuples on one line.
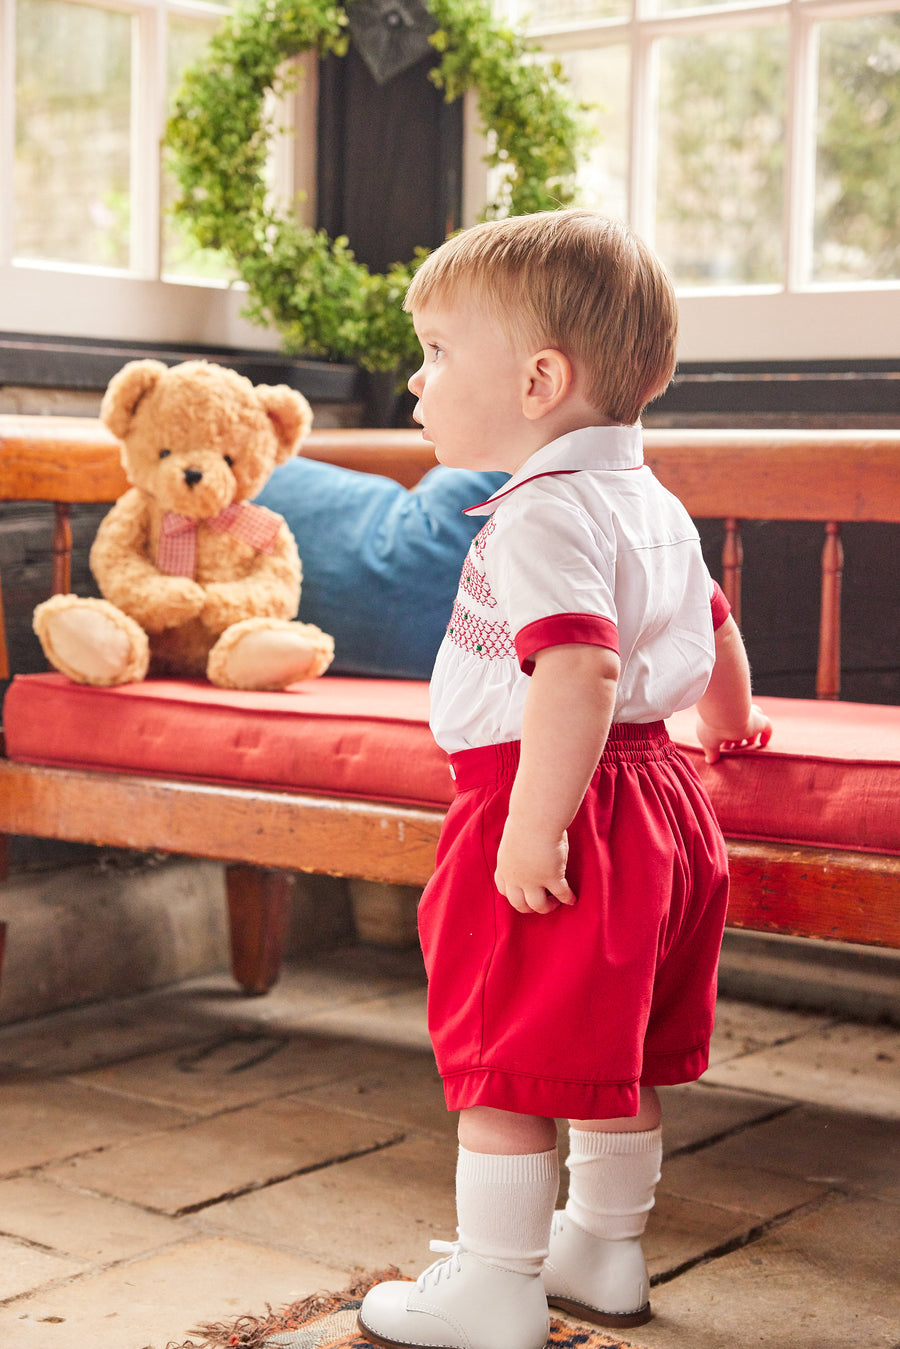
[(328, 1321)]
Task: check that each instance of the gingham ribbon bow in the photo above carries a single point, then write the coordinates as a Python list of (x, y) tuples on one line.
[(177, 551)]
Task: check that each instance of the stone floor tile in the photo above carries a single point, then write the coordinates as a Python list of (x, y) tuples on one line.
[(685, 1231), (162, 1298), (95, 1229), (106, 1032), (397, 1019), (826, 1280), (696, 1113), (352, 976), (751, 1190), (207, 1160), (199, 1009), (238, 1068), (745, 1027), (845, 1151), (371, 1212), (402, 1088), (843, 1065), (46, 1120), (24, 1267)]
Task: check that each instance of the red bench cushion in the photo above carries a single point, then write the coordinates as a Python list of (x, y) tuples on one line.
[(831, 776), (340, 736)]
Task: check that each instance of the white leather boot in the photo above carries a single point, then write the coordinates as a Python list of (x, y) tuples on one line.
[(459, 1302), (602, 1281)]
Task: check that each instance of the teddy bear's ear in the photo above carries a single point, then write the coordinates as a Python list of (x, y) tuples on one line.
[(290, 415), (125, 390)]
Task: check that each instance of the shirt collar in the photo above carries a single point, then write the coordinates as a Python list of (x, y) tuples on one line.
[(592, 448)]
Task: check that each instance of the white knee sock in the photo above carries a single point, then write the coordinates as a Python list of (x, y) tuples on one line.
[(612, 1180), (504, 1206)]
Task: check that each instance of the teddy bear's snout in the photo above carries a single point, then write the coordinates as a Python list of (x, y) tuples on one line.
[(192, 476)]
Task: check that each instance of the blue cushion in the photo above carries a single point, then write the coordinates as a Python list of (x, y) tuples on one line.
[(381, 563)]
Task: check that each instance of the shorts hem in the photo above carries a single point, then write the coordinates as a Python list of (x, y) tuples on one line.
[(669, 1070), (523, 1094)]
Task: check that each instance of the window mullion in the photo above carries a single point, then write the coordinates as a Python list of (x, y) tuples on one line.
[(7, 124), (148, 79), (801, 148), (643, 131)]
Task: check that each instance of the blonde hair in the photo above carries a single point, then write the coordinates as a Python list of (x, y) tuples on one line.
[(574, 280)]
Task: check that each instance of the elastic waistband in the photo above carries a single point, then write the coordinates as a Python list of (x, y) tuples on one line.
[(626, 743)]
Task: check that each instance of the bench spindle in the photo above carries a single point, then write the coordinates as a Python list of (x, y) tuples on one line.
[(828, 673), (62, 548), (732, 563)]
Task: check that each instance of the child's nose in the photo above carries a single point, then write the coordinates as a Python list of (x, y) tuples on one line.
[(416, 381)]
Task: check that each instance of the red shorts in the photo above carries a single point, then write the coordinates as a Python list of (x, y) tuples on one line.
[(564, 1014)]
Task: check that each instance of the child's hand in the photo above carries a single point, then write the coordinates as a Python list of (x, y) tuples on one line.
[(756, 735), (531, 871)]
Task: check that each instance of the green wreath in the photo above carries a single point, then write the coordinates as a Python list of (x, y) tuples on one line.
[(308, 286)]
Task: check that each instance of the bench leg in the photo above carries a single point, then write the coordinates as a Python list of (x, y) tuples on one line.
[(258, 900)]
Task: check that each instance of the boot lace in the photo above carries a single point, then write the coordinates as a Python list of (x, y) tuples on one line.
[(446, 1267)]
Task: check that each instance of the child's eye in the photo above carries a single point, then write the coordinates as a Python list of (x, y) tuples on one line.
[(228, 460), (436, 351)]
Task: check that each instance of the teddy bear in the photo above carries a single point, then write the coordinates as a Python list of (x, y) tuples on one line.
[(196, 580)]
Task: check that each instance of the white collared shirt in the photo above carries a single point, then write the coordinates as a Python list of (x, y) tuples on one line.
[(582, 544)]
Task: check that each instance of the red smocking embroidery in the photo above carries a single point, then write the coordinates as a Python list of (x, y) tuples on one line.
[(491, 641), (475, 583), (482, 537)]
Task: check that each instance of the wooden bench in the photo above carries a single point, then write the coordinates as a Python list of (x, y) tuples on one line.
[(262, 834)]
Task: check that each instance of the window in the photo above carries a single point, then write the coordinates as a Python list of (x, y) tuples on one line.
[(754, 142), (86, 247), (756, 145)]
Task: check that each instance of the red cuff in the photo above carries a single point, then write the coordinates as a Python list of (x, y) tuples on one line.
[(562, 630), (720, 606)]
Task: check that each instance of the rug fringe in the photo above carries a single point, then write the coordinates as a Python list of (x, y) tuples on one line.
[(251, 1332)]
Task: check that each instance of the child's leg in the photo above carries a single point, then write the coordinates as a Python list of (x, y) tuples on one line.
[(488, 1293), (596, 1266), (507, 1180)]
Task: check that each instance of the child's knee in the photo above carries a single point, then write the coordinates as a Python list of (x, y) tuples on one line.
[(485, 1129)]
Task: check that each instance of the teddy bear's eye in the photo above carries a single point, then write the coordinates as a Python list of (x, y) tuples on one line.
[(164, 454), (228, 460)]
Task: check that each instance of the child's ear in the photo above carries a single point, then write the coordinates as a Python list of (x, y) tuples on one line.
[(549, 379)]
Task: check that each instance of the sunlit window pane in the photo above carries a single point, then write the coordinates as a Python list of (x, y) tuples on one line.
[(73, 133), (550, 13), (600, 77), (181, 256), (667, 6), (721, 156), (857, 202)]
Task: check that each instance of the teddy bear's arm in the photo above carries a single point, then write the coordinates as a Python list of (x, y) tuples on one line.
[(270, 590), (128, 577)]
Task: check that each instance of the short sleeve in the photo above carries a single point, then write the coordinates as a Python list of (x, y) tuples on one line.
[(552, 573), (719, 605)]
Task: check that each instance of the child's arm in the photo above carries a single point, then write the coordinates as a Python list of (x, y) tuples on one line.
[(727, 719), (568, 710)]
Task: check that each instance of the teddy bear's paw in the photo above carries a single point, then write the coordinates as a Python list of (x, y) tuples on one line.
[(91, 641), (168, 602), (269, 653)]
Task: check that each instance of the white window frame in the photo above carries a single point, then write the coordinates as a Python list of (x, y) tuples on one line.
[(56, 299), (795, 321)]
